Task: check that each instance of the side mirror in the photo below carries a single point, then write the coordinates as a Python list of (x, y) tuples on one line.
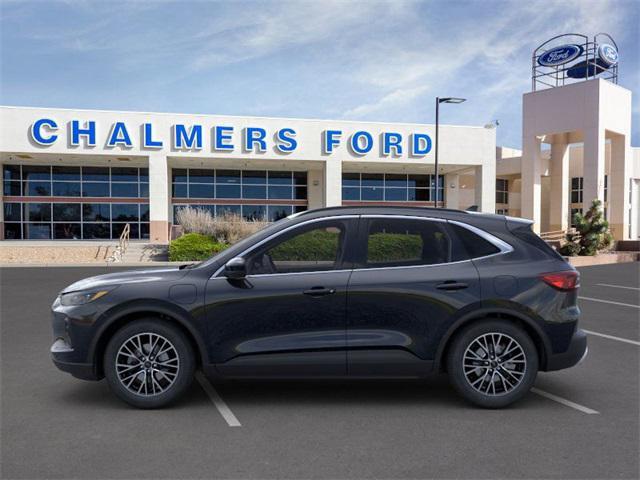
[(235, 269)]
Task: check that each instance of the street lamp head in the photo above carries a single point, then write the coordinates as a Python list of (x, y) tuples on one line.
[(451, 100)]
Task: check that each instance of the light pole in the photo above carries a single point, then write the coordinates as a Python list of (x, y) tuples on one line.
[(438, 102)]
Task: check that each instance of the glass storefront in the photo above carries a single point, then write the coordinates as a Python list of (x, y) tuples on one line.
[(254, 194), (391, 187), (77, 202)]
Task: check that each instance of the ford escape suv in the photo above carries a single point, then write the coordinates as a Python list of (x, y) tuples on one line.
[(335, 292)]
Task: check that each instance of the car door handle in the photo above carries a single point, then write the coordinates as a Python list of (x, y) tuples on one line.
[(451, 285), (319, 291)]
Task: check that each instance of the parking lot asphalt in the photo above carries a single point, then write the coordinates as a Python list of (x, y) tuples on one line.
[(583, 423)]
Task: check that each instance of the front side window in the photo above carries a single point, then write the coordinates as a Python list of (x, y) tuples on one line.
[(400, 242), (313, 248)]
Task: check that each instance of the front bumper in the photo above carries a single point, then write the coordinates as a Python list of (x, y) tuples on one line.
[(62, 356), (576, 352)]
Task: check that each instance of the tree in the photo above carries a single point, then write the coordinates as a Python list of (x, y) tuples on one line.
[(591, 235)]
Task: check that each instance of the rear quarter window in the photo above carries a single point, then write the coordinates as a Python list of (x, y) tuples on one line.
[(474, 245), (527, 235)]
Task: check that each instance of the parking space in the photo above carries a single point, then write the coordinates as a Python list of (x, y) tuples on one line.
[(54, 426)]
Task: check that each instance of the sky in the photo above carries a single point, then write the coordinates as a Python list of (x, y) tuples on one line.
[(344, 60)]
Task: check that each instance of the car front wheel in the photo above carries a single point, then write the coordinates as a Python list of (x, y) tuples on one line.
[(492, 363), (149, 363)]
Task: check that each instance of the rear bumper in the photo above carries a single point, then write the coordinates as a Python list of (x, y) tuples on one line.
[(576, 352)]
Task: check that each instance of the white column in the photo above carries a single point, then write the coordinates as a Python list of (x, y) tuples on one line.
[(315, 189), (159, 198), (559, 204), (485, 188), (618, 188), (531, 181), (452, 189), (593, 167), (332, 182)]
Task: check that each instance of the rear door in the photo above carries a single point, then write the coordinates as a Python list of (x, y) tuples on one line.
[(409, 284)]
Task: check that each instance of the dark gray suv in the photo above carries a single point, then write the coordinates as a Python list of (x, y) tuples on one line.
[(337, 292)]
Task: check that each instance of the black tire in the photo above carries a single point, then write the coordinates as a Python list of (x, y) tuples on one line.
[(179, 362), (499, 392)]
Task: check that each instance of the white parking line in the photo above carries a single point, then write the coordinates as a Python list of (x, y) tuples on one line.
[(217, 400), (564, 401), (611, 337), (609, 301), (617, 286)]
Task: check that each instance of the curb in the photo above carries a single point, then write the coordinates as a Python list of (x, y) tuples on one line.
[(93, 265)]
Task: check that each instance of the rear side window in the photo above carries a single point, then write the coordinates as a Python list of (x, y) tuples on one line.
[(527, 235), (475, 245), (398, 242)]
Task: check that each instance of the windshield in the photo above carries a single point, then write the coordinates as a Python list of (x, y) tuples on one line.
[(245, 243)]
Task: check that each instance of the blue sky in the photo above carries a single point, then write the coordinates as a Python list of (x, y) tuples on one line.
[(369, 60)]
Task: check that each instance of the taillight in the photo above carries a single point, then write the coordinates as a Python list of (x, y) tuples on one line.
[(565, 281)]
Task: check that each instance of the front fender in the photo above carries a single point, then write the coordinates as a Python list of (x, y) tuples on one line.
[(148, 307)]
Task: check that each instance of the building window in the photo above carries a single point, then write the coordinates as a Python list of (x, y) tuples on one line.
[(63, 213), (576, 190), (255, 194), (502, 211), (502, 190), (606, 187), (391, 187)]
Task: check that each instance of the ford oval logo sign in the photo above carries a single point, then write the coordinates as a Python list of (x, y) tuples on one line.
[(608, 54), (560, 55)]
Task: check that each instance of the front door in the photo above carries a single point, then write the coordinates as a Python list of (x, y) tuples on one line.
[(288, 317), (407, 288)]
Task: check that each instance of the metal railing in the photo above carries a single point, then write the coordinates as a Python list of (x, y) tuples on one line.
[(123, 244), (556, 235)]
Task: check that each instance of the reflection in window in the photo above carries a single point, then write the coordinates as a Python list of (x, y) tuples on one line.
[(397, 242), (312, 250)]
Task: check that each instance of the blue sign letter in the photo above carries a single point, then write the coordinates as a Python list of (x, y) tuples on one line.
[(119, 136), (330, 141), (286, 141), (184, 139), (221, 137), (147, 138), (89, 131), (36, 131), (255, 135), (421, 144), (355, 142), (391, 140)]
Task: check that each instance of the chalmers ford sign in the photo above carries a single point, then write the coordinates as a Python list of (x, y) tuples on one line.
[(221, 138)]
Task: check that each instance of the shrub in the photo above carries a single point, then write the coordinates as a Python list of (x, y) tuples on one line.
[(309, 246), (226, 228), (592, 233), (194, 247)]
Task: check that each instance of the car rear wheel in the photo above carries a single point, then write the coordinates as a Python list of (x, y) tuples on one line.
[(492, 363), (149, 363)]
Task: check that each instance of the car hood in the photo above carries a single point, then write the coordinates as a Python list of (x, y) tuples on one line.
[(120, 278)]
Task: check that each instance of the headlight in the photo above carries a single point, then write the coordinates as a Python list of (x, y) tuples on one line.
[(82, 298)]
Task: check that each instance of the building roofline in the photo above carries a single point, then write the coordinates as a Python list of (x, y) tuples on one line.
[(16, 107)]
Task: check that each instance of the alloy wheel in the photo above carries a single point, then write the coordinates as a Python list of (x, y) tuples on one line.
[(147, 364), (494, 364)]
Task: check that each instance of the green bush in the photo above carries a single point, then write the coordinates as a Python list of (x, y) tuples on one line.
[(390, 247), (591, 235), (309, 246), (194, 247)]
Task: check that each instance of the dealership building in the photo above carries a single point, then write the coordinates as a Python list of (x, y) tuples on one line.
[(81, 174), (85, 174)]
